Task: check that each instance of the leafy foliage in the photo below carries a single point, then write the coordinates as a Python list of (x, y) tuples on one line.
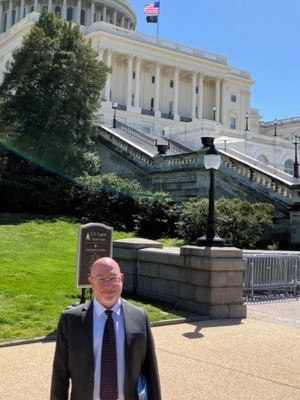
[(36, 194), (157, 216), (50, 93), (108, 199), (239, 222)]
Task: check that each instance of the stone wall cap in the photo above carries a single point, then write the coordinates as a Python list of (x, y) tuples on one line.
[(165, 250), (137, 243), (211, 251)]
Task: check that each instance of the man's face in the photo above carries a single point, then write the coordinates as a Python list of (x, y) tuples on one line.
[(106, 281)]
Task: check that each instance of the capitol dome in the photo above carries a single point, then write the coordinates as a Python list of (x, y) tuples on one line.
[(83, 12)]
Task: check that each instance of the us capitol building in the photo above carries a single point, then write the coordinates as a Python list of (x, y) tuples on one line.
[(161, 87)]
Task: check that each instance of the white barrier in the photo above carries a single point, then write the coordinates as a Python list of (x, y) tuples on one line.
[(271, 272)]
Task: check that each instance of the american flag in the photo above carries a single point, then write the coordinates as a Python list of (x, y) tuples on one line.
[(152, 8)]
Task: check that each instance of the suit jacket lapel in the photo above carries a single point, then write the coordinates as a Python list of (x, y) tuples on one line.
[(87, 329)]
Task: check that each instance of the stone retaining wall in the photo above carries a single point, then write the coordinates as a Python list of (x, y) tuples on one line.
[(202, 280)]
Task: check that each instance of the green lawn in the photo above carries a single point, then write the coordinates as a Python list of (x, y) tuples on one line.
[(38, 274)]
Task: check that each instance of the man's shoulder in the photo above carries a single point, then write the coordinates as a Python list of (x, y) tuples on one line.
[(77, 309), (132, 307)]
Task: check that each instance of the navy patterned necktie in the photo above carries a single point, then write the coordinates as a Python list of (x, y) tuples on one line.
[(109, 375)]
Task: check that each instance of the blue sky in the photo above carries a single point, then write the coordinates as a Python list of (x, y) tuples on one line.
[(260, 36)]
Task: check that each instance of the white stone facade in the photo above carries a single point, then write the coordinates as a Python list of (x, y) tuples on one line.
[(151, 77), (158, 85), (117, 12)]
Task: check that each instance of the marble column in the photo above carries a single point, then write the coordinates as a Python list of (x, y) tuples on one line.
[(1, 15), (108, 81), (78, 11), (217, 98), (9, 15), (224, 95), (200, 96), (64, 10), (21, 14), (176, 90), (36, 6), (193, 110), (92, 19), (137, 82), (157, 88), (129, 81)]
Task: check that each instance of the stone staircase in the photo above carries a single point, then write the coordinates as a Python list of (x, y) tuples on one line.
[(152, 144), (180, 171)]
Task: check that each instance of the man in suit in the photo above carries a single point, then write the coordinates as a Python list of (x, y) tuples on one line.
[(80, 332)]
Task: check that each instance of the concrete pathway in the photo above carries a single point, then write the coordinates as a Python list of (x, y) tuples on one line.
[(256, 358)]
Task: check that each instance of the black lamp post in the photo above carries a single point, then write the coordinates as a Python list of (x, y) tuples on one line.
[(115, 106), (214, 111), (212, 161), (275, 127), (247, 117), (296, 141)]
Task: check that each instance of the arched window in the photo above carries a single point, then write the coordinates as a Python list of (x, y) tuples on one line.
[(289, 167), (70, 14), (82, 17), (32, 9), (57, 11), (262, 158)]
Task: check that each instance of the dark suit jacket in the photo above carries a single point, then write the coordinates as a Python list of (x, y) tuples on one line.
[(74, 354)]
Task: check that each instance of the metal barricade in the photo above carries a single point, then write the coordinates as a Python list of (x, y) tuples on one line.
[(272, 273)]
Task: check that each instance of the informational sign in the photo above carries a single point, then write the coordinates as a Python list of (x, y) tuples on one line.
[(94, 241)]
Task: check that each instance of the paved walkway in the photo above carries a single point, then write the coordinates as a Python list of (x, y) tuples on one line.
[(256, 358)]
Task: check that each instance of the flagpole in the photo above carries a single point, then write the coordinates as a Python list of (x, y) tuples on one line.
[(158, 18)]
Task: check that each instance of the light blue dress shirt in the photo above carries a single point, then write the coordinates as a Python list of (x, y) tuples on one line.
[(99, 319)]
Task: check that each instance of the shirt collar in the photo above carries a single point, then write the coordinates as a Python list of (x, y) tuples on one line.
[(100, 309)]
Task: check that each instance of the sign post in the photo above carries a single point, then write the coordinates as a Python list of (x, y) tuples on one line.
[(94, 241)]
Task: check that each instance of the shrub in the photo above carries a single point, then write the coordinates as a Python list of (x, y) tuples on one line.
[(108, 199), (36, 194), (239, 222), (157, 216)]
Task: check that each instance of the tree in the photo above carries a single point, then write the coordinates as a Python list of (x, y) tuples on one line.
[(50, 93)]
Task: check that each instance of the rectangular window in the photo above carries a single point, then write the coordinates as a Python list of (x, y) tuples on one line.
[(133, 75), (233, 98), (153, 79), (197, 90), (171, 83), (232, 123)]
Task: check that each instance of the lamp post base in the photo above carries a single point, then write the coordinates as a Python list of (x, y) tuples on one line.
[(215, 241)]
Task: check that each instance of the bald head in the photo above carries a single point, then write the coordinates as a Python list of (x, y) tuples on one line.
[(106, 280), (103, 264)]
